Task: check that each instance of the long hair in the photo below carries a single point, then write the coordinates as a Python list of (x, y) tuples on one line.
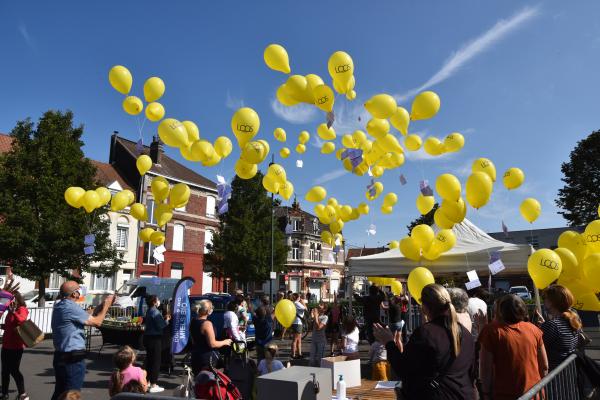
[(437, 300), (562, 300), (122, 359), (271, 351)]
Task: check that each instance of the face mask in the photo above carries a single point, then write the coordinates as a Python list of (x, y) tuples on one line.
[(158, 304)]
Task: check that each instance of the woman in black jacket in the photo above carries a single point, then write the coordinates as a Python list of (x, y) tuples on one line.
[(437, 361)]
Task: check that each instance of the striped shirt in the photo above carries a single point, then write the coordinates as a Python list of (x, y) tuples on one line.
[(560, 340)]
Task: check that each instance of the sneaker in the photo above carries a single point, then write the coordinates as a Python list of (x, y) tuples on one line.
[(156, 389)]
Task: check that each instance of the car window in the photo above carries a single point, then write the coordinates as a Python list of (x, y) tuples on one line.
[(50, 296)]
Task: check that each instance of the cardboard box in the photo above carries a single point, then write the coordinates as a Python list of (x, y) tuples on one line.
[(340, 365), (294, 383)]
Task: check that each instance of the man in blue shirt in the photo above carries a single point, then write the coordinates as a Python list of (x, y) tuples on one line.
[(68, 321)]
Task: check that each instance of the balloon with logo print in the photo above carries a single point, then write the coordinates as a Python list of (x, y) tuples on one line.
[(592, 236), (341, 69), (513, 178), (454, 142), (324, 97), (544, 267), (245, 124), (486, 166), (172, 132), (570, 265)]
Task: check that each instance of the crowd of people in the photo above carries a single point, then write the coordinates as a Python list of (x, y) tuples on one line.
[(458, 352)]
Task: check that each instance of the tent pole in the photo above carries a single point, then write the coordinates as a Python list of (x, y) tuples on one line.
[(350, 290), (538, 304)]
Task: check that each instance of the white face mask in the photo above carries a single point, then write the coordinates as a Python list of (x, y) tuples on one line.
[(158, 304)]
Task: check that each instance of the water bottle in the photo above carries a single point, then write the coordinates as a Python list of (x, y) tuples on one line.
[(341, 389)]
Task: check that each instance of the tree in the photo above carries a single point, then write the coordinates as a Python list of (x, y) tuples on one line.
[(580, 196), (241, 250), (40, 233), (426, 219)]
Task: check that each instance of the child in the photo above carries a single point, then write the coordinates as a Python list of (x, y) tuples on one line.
[(319, 340), (378, 360), (350, 339), (125, 371), (269, 364)]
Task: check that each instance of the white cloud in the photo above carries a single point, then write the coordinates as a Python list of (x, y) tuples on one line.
[(317, 142), (25, 33), (499, 31), (347, 117), (232, 102), (330, 176), (298, 114)]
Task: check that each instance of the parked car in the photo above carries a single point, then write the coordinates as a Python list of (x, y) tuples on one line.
[(520, 291), (129, 294)]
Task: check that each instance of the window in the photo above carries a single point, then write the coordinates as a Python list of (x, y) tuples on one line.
[(122, 232), (296, 225), (295, 250), (101, 282), (178, 234), (150, 208), (318, 253), (534, 241), (208, 239), (148, 250), (55, 281), (316, 229), (176, 270), (127, 275), (211, 204), (180, 209), (311, 252)]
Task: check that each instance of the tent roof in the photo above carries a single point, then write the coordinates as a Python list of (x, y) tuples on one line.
[(472, 251)]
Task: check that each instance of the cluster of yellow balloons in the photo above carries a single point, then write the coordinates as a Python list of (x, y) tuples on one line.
[(90, 200), (575, 264), (435, 147), (423, 242), (275, 181), (394, 285), (121, 80)]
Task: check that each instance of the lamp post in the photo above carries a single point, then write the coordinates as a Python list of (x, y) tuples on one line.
[(272, 237)]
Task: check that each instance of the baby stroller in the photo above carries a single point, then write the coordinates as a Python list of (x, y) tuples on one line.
[(214, 385), (241, 369)]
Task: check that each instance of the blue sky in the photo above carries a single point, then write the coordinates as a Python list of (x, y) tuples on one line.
[(518, 79)]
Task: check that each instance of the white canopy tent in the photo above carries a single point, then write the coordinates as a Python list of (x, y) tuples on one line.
[(471, 252)]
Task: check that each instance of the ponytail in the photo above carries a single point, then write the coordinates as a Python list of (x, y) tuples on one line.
[(573, 319), (561, 300), (269, 360), (437, 300), (116, 380), (455, 331)]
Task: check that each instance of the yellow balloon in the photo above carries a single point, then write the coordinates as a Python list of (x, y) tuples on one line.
[(279, 134), (441, 220), (425, 203), (313, 80), (418, 278), (133, 105), (120, 201), (359, 137), (348, 141), (90, 201), (143, 164), (285, 152), (212, 160), (386, 209), (316, 194), (157, 238), (155, 112), (328, 148), (433, 146), (186, 152), (544, 267), (377, 171), (378, 127), (286, 190), (284, 96), (455, 211), (513, 178), (591, 271), (245, 124), (425, 106), (390, 199), (431, 253), (130, 196), (400, 120), (390, 143), (172, 132), (223, 146), (378, 186), (326, 133), (163, 213), (154, 88), (297, 87), (278, 172), (145, 234), (478, 189), (245, 170), (363, 208), (486, 166), (351, 95), (319, 208), (285, 312), (139, 212), (530, 209), (587, 302), (413, 142), (454, 142), (592, 236), (120, 79), (276, 58), (570, 265), (202, 150), (396, 287), (381, 106), (254, 153), (300, 148), (327, 237), (192, 130), (160, 188), (180, 195), (575, 242), (324, 97), (328, 215), (74, 196), (345, 213), (448, 187), (336, 226), (270, 184), (104, 195), (394, 244), (444, 241), (341, 68), (423, 235), (303, 137)]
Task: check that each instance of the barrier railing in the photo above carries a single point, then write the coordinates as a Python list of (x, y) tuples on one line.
[(559, 384)]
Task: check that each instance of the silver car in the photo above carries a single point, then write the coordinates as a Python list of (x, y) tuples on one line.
[(520, 291)]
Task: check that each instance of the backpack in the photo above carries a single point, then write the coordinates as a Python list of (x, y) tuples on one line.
[(215, 386)]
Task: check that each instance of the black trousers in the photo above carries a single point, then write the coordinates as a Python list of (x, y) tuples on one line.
[(11, 361), (153, 345)]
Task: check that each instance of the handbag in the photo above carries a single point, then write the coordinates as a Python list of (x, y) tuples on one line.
[(29, 333)]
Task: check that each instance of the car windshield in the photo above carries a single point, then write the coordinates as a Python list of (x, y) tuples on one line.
[(30, 295), (518, 290), (126, 289)]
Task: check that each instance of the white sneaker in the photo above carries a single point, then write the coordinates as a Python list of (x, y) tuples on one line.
[(156, 389)]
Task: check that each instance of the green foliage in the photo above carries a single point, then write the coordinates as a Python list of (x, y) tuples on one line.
[(580, 196), (40, 233), (241, 250), (423, 219)]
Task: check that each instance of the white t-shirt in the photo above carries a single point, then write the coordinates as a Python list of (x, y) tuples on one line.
[(276, 365), (231, 321), (300, 308), (351, 341)]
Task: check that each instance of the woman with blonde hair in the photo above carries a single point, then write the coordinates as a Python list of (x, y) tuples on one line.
[(269, 363), (437, 361)]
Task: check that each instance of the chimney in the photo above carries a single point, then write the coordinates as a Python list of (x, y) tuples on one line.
[(156, 150), (295, 204)]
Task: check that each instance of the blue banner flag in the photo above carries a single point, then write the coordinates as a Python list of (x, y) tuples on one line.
[(181, 315)]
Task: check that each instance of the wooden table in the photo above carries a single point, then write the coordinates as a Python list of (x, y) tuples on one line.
[(367, 390)]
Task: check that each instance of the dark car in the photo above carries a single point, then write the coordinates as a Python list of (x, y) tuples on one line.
[(219, 301)]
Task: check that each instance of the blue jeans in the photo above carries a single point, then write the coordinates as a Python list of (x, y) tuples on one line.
[(69, 373)]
